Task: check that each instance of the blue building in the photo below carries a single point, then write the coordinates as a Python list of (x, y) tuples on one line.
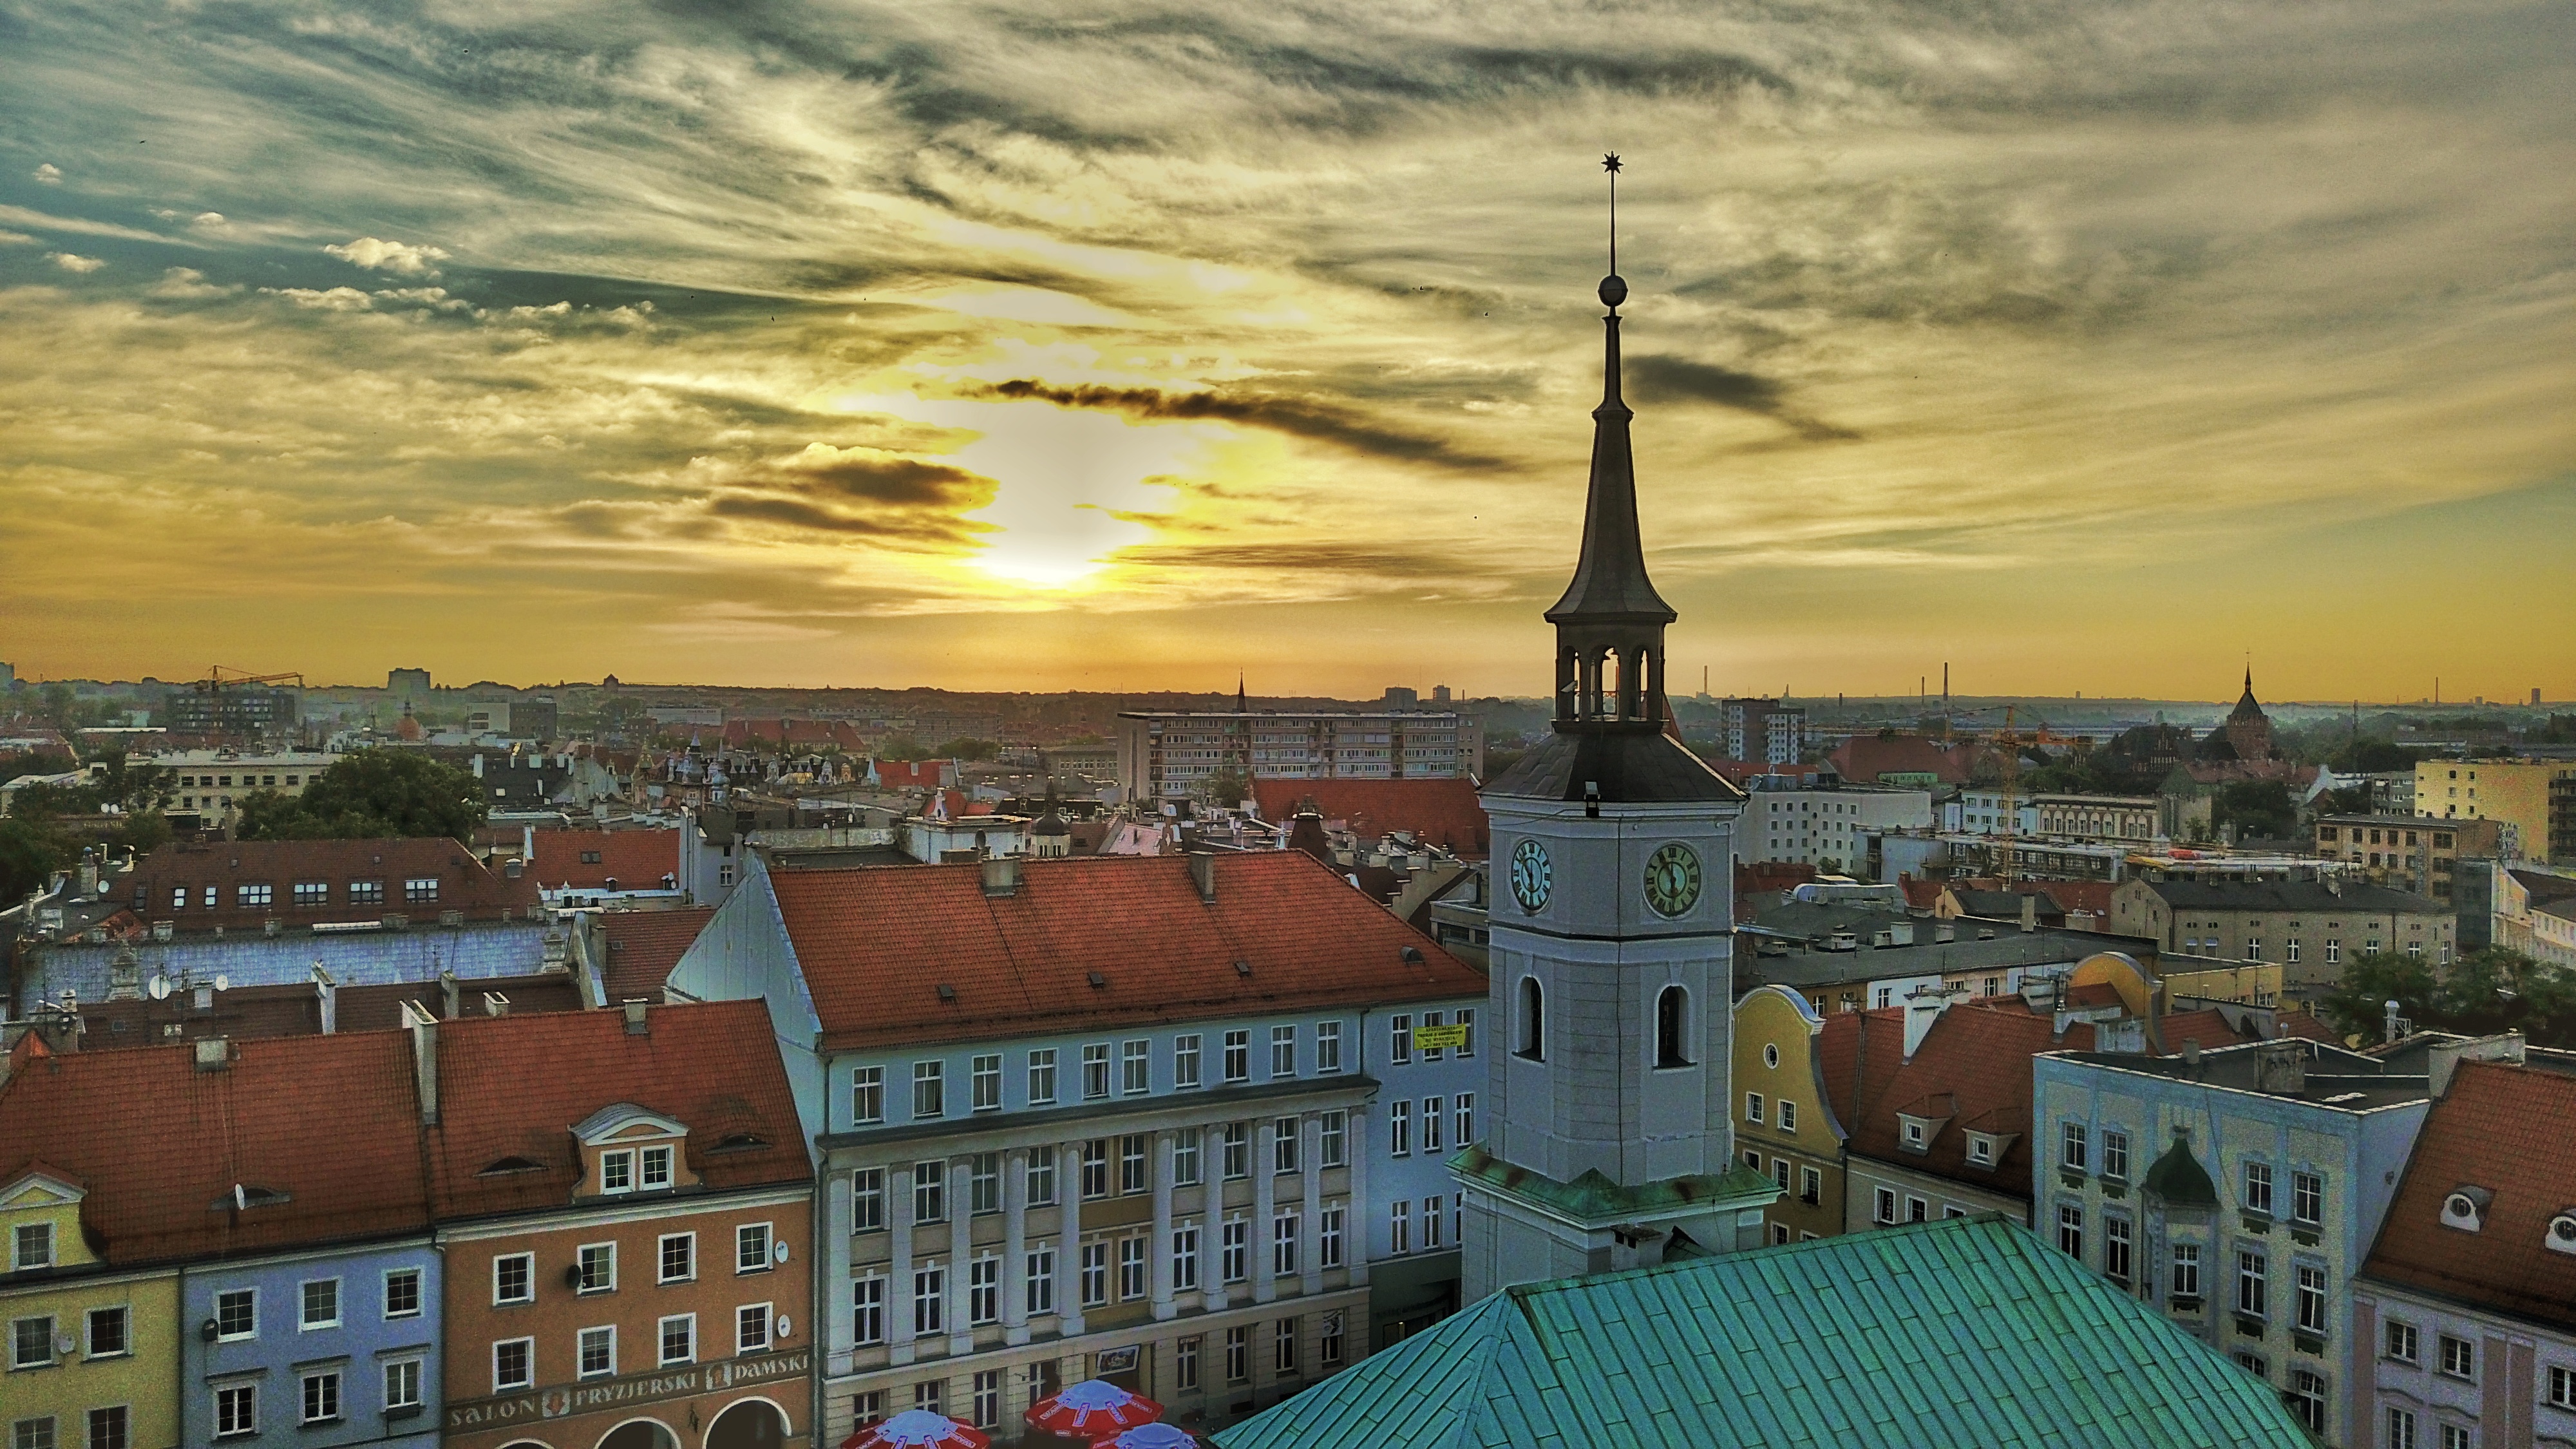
[(328, 1346)]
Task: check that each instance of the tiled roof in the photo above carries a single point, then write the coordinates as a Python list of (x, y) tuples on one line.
[(511, 1087), (2207, 1026), (1979, 1056), (876, 946), (1922, 895), (162, 1144), (1445, 813), (257, 1012), (2292, 895), (1864, 758), (2502, 1128), (635, 859), (1967, 1334), (465, 883), (2300, 1023), (643, 946), (2092, 897)]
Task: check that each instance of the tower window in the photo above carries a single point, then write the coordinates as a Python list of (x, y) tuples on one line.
[(1672, 1023), (1533, 1023)]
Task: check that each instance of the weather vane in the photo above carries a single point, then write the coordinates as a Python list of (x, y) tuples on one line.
[(1613, 289)]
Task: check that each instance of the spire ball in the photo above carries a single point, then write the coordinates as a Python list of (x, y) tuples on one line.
[(1614, 290)]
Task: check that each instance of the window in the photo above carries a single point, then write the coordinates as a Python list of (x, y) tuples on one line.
[(1185, 1157), (1399, 1040), (514, 1363), (929, 1090), (2253, 1284), (1283, 1052), (1399, 1128), (2311, 1285), (1238, 1056), (321, 1298), (1283, 1347), (367, 892), (617, 1172), (751, 1328), (2562, 1388), (1135, 1068), (1400, 1227), (2307, 1400), (107, 1428), (1042, 1077), (1131, 1163), (751, 1248), (32, 1246), (2400, 1343), (1095, 1071), (107, 1333), (1185, 1363), (2307, 1197), (596, 1270), (1328, 1047), (1331, 1139), (984, 1083), (929, 1298), (2115, 1154), (679, 1257), (657, 1167), (1433, 1118), (1672, 1025), (1466, 1043), (867, 1310), (251, 895), (1753, 1108), (1811, 1185), (2258, 1187), (1185, 1062), (596, 1350), (402, 1293), (680, 1338), (2115, 1248), (31, 1343), (514, 1278), (984, 1184), (2459, 1358), (1042, 1176), (1185, 1256), (237, 1409), (1430, 1223), (867, 1095), (925, 1396), (1787, 1112), (2186, 1270), (1037, 1279), (1884, 1208), (1328, 1237), (2252, 1363), (312, 893), (1283, 1146), (2070, 1230), (237, 1313), (2401, 1429), (930, 1192), (1283, 1244), (1532, 1035), (988, 1399), (402, 1383), (1131, 1268), (2072, 1153), (1095, 1168), (1094, 1278), (1464, 1109), (1233, 1250), (867, 1200), (420, 889), (1236, 1150), (1238, 1355)]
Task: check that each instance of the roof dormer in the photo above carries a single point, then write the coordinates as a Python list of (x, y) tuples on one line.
[(40, 1217), (2466, 1208), (2561, 1237), (1919, 1123), (629, 1149)]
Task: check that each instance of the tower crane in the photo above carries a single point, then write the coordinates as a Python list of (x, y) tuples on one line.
[(218, 679), (2013, 742)]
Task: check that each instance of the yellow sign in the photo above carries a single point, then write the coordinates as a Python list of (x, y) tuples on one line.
[(1440, 1038)]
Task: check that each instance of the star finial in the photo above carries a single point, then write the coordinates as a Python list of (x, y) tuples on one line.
[(1610, 162)]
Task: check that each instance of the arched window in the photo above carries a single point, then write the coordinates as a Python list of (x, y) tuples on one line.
[(1533, 1021), (1672, 1027)]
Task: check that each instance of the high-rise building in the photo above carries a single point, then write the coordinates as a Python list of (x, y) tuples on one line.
[(1169, 754), (1608, 1132), (1765, 731)]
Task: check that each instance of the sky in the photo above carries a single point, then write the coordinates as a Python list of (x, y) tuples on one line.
[(1135, 345)]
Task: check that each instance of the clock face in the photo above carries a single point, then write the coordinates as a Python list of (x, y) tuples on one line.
[(1672, 880), (1530, 877)]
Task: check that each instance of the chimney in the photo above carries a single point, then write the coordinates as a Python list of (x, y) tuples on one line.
[(1921, 1010), (635, 1024), (2030, 911), (1001, 876), (327, 992), (2282, 1068), (89, 873), (424, 1059), (2388, 1020), (447, 995), (1203, 873), (2447, 1056), (527, 842), (2191, 1056), (214, 1054)]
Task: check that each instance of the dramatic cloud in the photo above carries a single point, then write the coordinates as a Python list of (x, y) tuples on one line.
[(71, 262), (383, 256)]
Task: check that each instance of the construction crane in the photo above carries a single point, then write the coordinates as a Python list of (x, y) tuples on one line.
[(2013, 742), (218, 679)]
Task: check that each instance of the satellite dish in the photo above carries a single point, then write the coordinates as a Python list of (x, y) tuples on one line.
[(160, 987), (223, 982)]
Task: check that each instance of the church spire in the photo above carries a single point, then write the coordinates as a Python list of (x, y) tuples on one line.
[(1610, 582)]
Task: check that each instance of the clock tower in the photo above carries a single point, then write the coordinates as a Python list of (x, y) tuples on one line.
[(1608, 1128)]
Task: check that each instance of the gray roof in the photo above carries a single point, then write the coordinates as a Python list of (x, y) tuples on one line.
[(2330, 1075), (1632, 766), (2293, 895), (1808, 968)]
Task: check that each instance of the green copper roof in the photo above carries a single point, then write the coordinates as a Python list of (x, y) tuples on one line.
[(1966, 1333), (1594, 1198), (2179, 1178)]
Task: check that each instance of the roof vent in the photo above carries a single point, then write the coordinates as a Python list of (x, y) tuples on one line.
[(214, 1054), (1098, 981), (1411, 954), (947, 992), (2562, 1233), (635, 1022), (1242, 968), (2466, 1208)]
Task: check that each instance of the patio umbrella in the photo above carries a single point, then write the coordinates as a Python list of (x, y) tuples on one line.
[(918, 1429), (1091, 1409), (1149, 1436)]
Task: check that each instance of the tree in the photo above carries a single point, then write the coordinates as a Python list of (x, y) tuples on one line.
[(34, 762), (1226, 786), (901, 746), (966, 748), (371, 795), (2256, 807), (31, 850), (2481, 994), (621, 718)]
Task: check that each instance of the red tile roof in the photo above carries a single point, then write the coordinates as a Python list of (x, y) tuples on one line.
[(1979, 1057), (635, 859), (876, 946), (2092, 897), (1863, 758), (1445, 813), (1922, 895), (643, 946), (912, 774), (2207, 1026), (464, 883), (2502, 1128), (512, 1087), (2301, 1024), (161, 1144)]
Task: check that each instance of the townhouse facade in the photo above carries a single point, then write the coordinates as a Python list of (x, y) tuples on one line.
[(2409, 852), (93, 1347), (209, 783), (1785, 1127), (337, 1345), (1179, 1123), (2311, 927)]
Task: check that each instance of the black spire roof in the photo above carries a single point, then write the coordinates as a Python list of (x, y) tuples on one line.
[(1610, 583)]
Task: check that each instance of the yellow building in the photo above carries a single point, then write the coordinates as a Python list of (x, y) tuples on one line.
[(2515, 792), (93, 1354), (1785, 1126)]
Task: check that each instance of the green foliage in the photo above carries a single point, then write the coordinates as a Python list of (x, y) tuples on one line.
[(2353, 800), (31, 850), (2374, 757), (966, 748), (1227, 786), (621, 718), (374, 794), (2256, 807), (901, 746), (2483, 993), (34, 762)]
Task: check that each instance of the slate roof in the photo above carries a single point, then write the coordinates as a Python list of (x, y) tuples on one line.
[(1633, 765), (1445, 813), (1967, 1333), (876, 946), (2502, 1128), (513, 1086), (2292, 895), (643, 946), (161, 1145), (258, 1012), (635, 859), (1978, 1056)]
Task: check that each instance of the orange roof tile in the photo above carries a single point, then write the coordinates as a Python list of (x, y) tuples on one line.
[(876, 945), (1978, 1057), (2501, 1128), (1445, 813), (2207, 1026), (643, 946), (635, 859), (465, 883)]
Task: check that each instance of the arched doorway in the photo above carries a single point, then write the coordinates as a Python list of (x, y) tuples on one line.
[(640, 1434), (750, 1424)]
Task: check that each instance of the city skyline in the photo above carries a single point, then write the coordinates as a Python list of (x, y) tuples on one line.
[(1015, 353)]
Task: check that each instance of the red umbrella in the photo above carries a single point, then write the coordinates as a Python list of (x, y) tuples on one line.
[(1092, 1408), (918, 1429), (1149, 1436)]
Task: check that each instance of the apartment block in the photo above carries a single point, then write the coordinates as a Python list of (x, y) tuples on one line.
[(1168, 755)]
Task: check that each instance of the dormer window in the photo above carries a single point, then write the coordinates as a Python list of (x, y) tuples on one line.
[(2562, 1232), (657, 1167), (617, 1172), (1981, 1149), (2466, 1208), (31, 1246), (1914, 1136)]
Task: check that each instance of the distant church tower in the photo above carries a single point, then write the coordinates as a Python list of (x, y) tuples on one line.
[(2248, 728), (1609, 1140)]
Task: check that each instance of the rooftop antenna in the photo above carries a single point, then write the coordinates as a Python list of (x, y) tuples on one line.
[(1610, 163)]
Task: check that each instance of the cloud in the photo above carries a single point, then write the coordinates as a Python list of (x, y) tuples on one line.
[(1654, 377), (379, 255), (1302, 417), (73, 262), (187, 284), (49, 174), (15, 238), (208, 218), (334, 299)]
